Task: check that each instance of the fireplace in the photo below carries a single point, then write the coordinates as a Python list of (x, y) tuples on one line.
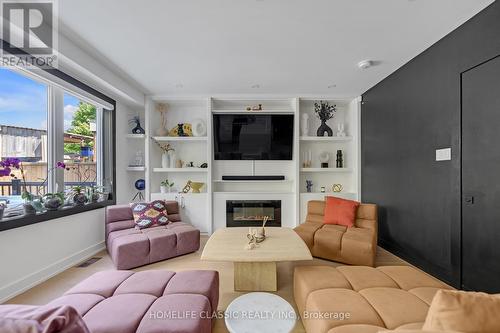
[(250, 213)]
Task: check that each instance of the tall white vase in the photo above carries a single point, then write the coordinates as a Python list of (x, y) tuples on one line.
[(304, 125), (165, 160)]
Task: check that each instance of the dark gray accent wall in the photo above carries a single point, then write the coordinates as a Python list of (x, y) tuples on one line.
[(404, 119)]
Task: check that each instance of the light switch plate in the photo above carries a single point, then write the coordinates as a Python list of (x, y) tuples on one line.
[(443, 154)]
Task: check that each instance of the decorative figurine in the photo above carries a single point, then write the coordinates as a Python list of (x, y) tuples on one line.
[(140, 185), (184, 129), (309, 185), (187, 187), (137, 122), (337, 188), (325, 112), (340, 159), (340, 128), (162, 109)]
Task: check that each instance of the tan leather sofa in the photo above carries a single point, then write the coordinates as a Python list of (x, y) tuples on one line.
[(376, 299), (355, 246)]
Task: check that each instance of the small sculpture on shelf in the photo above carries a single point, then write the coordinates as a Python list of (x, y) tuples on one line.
[(140, 185), (325, 112), (137, 122), (322, 190), (182, 129), (161, 108), (187, 187), (337, 188), (340, 159), (138, 160), (340, 128), (257, 107), (309, 185)]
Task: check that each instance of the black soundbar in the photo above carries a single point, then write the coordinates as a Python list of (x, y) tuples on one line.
[(253, 177)]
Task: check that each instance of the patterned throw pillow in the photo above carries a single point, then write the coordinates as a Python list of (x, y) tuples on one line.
[(149, 214)]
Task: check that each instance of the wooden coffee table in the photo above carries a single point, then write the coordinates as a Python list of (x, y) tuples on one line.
[(255, 270)]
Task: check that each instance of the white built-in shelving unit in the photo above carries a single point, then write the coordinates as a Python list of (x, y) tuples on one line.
[(206, 210)]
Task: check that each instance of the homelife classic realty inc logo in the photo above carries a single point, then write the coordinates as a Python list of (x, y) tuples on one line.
[(29, 33)]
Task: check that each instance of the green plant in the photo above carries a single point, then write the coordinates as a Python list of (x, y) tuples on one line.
[(59, 195), (166, 183)]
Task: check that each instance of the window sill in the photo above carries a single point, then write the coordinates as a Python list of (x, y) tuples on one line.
[(21, 221)]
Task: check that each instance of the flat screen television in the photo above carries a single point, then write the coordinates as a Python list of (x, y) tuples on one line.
[(253, 137)]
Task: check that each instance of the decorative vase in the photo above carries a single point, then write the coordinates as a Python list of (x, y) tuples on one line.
[(304, 125), (29, 209), (163, 189), (103, 196), (138, 129), (172, 158), (79, 199), (324, 128), (165, 160), (340, 159), (53, 203), (161, 131)]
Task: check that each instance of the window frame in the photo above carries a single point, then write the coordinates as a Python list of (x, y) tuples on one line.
[(55, 147)]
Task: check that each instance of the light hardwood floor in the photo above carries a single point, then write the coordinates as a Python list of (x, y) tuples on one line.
[(57, 285)]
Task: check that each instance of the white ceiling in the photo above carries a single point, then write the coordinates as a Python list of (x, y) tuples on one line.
[(290, 47)]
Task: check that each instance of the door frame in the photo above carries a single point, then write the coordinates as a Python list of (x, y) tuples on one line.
[(461, 166)]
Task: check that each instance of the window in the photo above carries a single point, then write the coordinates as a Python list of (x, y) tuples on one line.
[(23, 132), (61, 134)]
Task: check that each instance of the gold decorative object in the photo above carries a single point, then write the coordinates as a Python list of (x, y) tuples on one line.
[(187, 187), (186, 128), (196, 186), (337, 188)]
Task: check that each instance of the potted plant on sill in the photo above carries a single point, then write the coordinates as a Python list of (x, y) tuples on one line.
[(53, 201), (166, 186), (6, 170), (78, 195)]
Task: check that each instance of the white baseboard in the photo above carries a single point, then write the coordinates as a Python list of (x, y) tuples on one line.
[(19, 286)]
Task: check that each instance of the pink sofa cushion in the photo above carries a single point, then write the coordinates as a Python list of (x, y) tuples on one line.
[(149, 214), (45, 319)]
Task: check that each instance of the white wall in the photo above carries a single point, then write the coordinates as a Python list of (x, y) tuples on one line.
[(31, 254), (125, 150)]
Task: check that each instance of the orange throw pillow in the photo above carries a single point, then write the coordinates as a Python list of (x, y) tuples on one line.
[(340, 211)]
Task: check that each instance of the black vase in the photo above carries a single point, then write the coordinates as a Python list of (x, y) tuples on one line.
[(138, 129), (324, 128)]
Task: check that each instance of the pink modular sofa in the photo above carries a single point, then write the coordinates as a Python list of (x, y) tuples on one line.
[(155, 301), (130, 247)]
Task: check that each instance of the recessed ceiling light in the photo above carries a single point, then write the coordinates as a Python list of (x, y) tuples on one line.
[(255, 86), (179, 85), (365, 64), (332, 86)]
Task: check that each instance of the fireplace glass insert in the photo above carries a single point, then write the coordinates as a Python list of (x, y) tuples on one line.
[(251, 213)]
